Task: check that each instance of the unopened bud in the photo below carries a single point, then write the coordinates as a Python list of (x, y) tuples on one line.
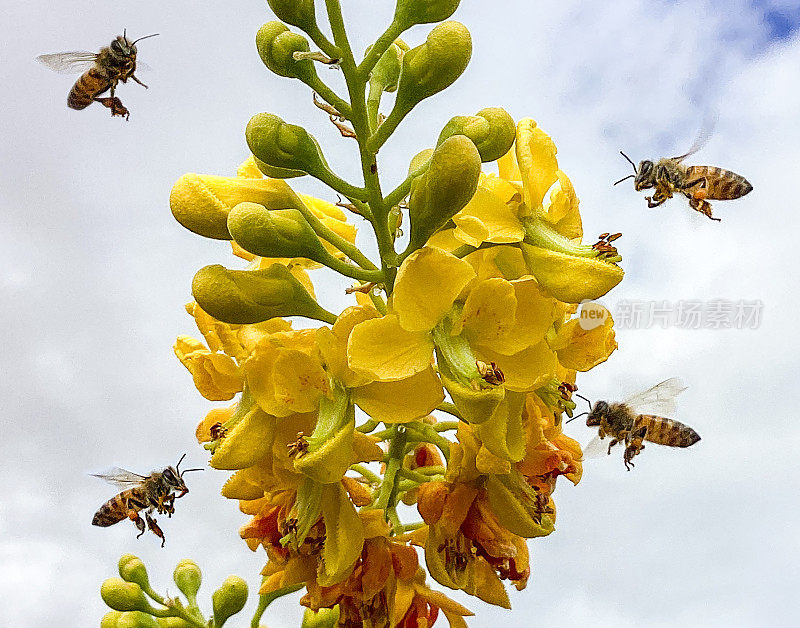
[(276, 46), (131, 619), (201, 202), (123, 596), (434, 65), (298, 13), (229, 599), (386, 73), (410, 12), (274, 233), (188, 577), (243, 297), (323, 618), (492, 131), (283, 145), (444, 189), (132, 569)]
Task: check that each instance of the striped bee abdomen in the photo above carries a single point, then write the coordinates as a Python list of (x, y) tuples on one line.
[(90, 84), (116, 509), (668, 431), (722, 185)]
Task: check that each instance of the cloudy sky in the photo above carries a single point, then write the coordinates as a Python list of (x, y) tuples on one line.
[(94, 273)]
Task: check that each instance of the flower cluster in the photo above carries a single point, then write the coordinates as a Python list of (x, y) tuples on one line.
[(437, 395)]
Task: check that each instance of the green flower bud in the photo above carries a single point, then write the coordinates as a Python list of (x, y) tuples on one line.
[(188, 577), (492, 131), (444, 189), (275, 232), (173, 622), (229, 599), (132, 569), (245, 297), (201, 202), (323, 618), (298, 13), (420, 159), (283, 145), (276, 46), (434, 65), (137, 619), (123, 596), (410, 12), (277, 173), (110, 619)]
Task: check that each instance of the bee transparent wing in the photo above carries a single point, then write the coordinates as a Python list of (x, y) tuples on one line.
[(73, 62), (120, 477), (595, 448), (703, 135), (658, 400)]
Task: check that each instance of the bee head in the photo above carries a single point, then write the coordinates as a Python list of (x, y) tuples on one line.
[(645, 175), (124, 47), (174, 477), (599, 410)]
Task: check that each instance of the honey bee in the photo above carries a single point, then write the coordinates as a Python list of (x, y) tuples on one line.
[(101, 72), (697, 183), (638, 419), (156, 491)]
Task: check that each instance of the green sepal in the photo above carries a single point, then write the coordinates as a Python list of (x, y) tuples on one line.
[(386, 73), (444, 189), (277, 173), (410, 12), (434, 65), (243, 297), (492, 130), (229, 599), (276, 46)]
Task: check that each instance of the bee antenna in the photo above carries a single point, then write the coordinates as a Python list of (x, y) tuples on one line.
[(630, 176), (585, 399), (145, 37), (124, 33), (178, 466), (187, 471), (577, 416), (629, 160)]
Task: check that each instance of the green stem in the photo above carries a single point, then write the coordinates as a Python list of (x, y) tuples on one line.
[(393, 465), (371, 477), (356, 272), (425, 433), (384, 131), (269, 598), (323, 43), (378, 302), (380, 46), (419, 478), (368, 426), (329, 96), (330, 236), (402, 190), (373, 104)]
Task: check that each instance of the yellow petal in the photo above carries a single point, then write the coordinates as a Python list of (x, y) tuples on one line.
[(488, 218), (238, 487), (584, 349), (344, 536), (536, 155), (489, 311), (534, 314), (427, 284), (507, 166), (216, 375), (527, 370), (485, 584), (563, 210), (403, 400), (383, 350), (503, 434)]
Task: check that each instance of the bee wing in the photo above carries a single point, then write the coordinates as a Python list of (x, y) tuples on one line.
[(120, 477), (68, 62), (703, 135), (658, 400), (594, 449)]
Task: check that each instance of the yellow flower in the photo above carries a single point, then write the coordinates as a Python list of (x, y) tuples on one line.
[(216, 375)]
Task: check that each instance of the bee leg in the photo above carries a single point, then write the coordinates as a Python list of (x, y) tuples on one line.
[(635, 445), (115, 105), (703, 206), (153, 527), (136, 80), (138, 521)]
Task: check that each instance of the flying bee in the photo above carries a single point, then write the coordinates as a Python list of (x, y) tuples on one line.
[(156, 491), (697, 183), (101, 72), (639, 419)]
